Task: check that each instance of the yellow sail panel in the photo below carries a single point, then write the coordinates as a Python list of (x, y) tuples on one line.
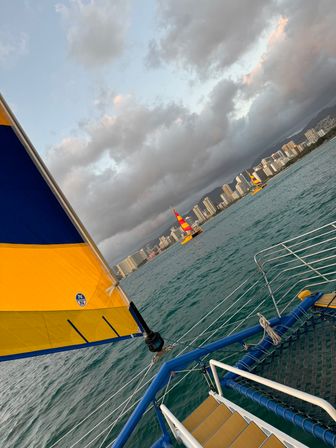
[(54, 277), (33, 332), (4, 120), (56, 291), (57, 296)]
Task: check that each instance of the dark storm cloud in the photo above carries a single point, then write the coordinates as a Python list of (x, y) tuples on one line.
[(132, 165)]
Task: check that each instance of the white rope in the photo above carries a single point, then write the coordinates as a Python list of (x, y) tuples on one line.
[(106, 429), (112, 426), (167, 387), (106, 417), (214, 332), (181, 352), (217, 306), (276, 339), (96, 409)]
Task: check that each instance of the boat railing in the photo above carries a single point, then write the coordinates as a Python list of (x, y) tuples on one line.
[(180, 432), (302, 262), (317, 401), (285, 274), (172, 367), (234, 312)]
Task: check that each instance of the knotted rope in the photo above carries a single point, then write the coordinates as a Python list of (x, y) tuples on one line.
[(276, 339)]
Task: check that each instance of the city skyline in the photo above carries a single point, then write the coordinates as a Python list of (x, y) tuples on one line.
[(135, 106), (266, 169)]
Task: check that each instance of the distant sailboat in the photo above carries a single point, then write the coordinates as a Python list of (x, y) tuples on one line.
[(190, 233), (258, 185)]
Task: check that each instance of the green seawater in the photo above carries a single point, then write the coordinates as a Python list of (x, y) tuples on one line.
[(44, 397)]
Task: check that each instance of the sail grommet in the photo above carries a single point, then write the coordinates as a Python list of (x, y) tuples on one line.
[(80, 299)]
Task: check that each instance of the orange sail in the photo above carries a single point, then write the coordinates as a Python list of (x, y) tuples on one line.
[(184, 225)]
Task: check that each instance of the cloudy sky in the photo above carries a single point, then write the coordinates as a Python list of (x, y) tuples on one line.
[(139, 105)]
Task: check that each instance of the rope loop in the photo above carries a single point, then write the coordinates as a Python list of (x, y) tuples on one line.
[(264, 323)]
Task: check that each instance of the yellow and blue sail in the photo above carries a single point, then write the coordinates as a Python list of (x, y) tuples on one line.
[(56, 293)]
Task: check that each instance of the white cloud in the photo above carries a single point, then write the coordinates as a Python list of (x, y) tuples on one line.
[(96, 30), (136, 160)]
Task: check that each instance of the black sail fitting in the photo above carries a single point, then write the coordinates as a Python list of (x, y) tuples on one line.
[(153, 339)]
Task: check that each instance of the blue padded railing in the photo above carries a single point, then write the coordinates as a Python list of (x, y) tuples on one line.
[(174, 365), (182, 361)]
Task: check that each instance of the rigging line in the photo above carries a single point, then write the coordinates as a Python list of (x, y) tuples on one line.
[(188, 373), (201, 334), (182, 351), (129, 399), (194, 368), (214, 331), (165, 392), (112, 426), (111, 413), (95, 410), (215, 307), (200, 347), (114, 410), (194, 339), (206, 332), (209, 337), (124, 412), (221, 315), (106, 429)]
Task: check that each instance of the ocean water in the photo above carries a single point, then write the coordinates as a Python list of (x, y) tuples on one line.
[(44, 398)]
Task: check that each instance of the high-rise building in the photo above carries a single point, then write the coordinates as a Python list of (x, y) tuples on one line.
[(283, 162), (321, 133), (242, 186), (176, 233), (276, 166), (225, 201), (163, 242), (235, 195), (209, 206), (125, 267), (143, 253), (266, 161), (268, 170), (243, 182), (289, 146), (241, 189), (138, 258), (312, 136), (278, 155), (260, 174), (199, 214), (291, 153), (227, 192), (245, 175)]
